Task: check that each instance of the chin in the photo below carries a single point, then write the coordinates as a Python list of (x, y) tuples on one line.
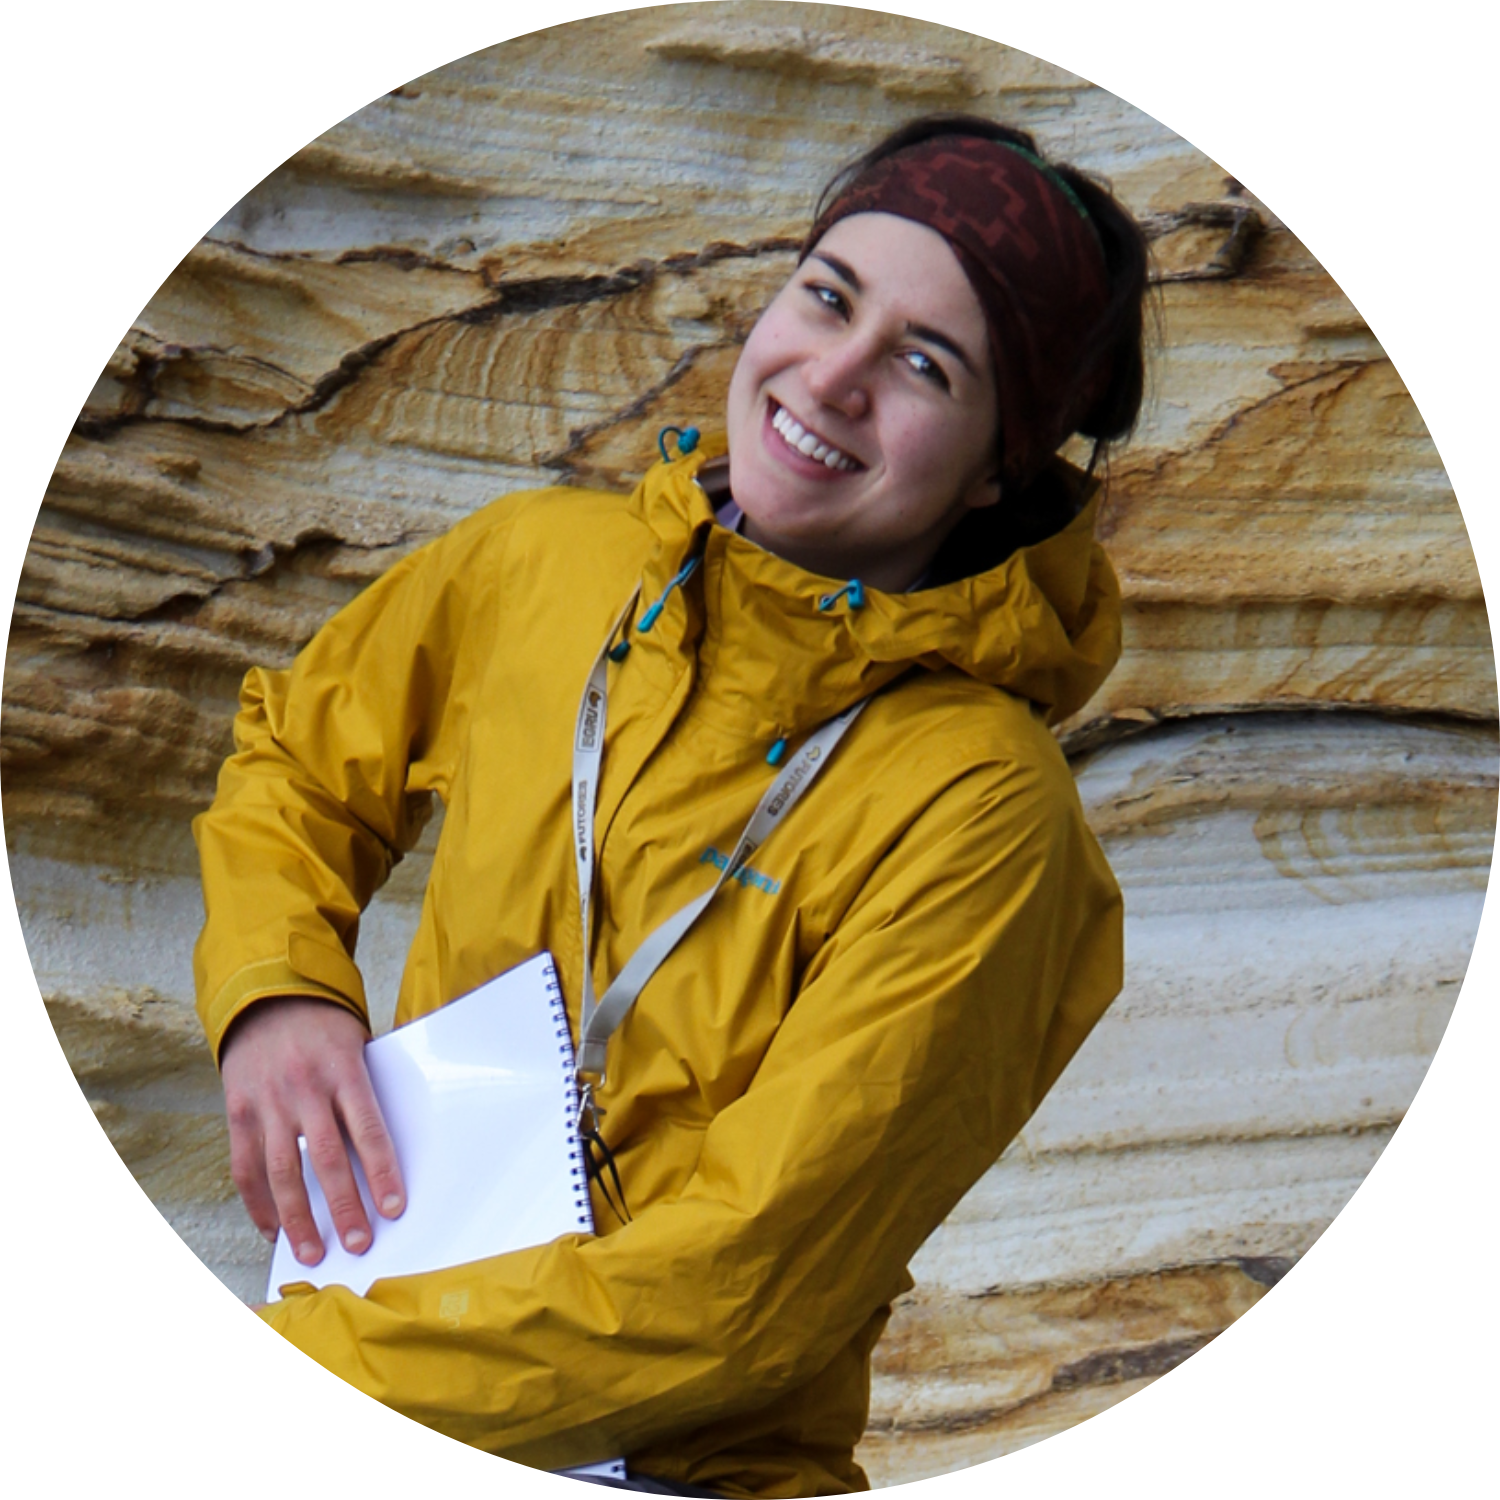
[(767, 499), (754, 489)]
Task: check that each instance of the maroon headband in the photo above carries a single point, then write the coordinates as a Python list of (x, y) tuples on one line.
[(1033, 257)]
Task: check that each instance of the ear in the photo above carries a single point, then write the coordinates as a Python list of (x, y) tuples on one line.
[(984, 492), (986, 487)]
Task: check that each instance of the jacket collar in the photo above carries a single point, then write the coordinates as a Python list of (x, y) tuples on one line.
[(1044, 624)]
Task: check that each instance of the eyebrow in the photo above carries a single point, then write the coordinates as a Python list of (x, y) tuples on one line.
[(846, 273)]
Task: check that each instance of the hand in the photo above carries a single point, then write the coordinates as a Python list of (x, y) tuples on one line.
[(294, 1066)]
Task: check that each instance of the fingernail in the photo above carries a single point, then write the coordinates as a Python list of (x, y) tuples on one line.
[(307, 1253), (270, 1235), (355, 1241), (391, 1203)]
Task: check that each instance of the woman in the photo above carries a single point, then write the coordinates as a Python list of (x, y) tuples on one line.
[(862, 1020)]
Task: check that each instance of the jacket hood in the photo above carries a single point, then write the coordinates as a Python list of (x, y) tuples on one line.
[(1044, 624)]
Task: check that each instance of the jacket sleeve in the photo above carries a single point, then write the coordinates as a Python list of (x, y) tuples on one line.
[(330, 781), (926, 1030)]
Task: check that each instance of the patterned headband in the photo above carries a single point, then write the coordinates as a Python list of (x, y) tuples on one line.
[(1035, 260)]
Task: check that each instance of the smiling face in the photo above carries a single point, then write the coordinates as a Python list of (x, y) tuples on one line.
[(862, 413)]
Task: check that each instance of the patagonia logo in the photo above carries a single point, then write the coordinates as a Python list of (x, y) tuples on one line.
[(745, 875), (588, 725)]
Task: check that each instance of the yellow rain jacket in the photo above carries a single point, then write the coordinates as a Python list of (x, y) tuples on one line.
[(835, 1053)]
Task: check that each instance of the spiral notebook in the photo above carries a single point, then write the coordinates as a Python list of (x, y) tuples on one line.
[(480, 1101)]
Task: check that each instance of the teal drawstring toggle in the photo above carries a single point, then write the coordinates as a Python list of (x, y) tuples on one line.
[(619, 652), (687, 440), (855, 590), (774, 754), (684, 573)]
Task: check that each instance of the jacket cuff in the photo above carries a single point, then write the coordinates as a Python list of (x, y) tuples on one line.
[(309, 968)]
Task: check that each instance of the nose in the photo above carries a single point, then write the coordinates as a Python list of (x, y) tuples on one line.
[(839, 375)]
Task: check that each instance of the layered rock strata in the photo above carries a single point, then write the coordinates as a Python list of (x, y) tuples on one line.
[(509, 273)]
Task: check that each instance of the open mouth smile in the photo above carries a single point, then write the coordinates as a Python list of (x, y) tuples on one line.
[(810, 444)]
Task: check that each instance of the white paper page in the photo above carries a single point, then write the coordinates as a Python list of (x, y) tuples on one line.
[(479, 1099)]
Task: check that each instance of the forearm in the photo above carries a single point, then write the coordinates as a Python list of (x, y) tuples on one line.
[(331, 779)]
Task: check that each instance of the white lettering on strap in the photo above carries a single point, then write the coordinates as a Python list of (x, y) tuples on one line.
[(588, 755)]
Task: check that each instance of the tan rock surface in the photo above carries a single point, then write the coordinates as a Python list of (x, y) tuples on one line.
[(960, 1382), (510, 272)]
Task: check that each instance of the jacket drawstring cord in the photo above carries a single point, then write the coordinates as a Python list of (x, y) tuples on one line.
[(855, 590), (682, 575), (620, 651), (687, 441)]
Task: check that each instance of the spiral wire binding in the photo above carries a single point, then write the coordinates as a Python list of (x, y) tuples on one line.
[(576, 1169)]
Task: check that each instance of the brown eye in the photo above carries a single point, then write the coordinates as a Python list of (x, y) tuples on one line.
[(927, 367), (833, 300)]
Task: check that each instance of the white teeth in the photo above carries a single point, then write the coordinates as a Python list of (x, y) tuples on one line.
[(797, 436)]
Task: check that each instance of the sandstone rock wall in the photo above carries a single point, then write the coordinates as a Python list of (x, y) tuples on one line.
[(509, 273)]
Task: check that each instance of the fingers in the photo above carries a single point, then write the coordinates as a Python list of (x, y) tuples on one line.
[(360, 1112), (247, 1166), (328, 1153), (284, 1175), (355, 1108)]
